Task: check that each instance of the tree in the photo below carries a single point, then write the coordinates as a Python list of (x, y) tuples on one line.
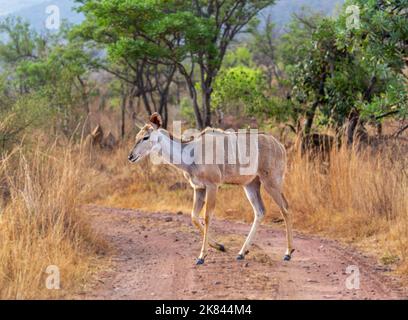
[(304, 54), (339, 73), (238, 56), (45, 72), (226, 19), (21, 44), (192, 36), (138, 67), (240, 88), (381, 42), (264, 42), (62, 75)]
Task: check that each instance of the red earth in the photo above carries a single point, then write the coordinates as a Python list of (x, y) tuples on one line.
[(154, 258)]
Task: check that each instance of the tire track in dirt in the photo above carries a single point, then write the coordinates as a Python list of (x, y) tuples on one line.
[(154, 255)]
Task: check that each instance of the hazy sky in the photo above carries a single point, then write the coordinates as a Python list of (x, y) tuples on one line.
[(7, 6)]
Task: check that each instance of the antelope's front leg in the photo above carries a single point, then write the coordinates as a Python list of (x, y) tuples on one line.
[(199, 200), (211, 192)]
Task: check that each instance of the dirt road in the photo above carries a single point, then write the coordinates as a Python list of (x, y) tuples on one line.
[(154, 258)]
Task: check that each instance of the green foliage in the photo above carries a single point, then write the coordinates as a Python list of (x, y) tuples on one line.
[(170, 32), (320, 68), (43, 82), (240, 56), (333, 69), (23, 42), (380, 43), (186, 110), (393, 100), (27, 112), (383, 31), (159, 31), (240, 87)]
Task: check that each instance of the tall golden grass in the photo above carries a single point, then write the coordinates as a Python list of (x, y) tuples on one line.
[(41, 223), (359, 196)]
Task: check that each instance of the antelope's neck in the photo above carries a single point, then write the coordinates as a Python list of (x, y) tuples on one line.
[(172, 150)]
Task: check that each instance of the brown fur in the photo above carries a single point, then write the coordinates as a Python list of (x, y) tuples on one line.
[(206, 178)]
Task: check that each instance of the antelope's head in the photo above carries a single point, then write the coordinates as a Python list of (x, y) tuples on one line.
[(147, 139)]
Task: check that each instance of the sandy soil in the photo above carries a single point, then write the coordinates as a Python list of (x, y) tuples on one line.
[(154, 258)]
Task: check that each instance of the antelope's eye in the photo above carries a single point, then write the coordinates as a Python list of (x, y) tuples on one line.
[(145, 138)]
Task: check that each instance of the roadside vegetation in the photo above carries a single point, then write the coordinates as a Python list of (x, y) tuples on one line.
[(335, 94)]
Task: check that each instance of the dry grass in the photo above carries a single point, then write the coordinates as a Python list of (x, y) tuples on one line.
[(360, 197), (41, 223)]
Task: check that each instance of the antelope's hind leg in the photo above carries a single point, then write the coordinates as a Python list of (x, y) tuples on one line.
[(275, 192), (253, 193)]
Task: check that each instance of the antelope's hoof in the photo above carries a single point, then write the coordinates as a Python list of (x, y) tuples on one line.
[(287, 257), (199, 261), (221, 248), (240, 257)]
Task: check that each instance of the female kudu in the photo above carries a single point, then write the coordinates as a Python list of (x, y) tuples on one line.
[(205, 178)]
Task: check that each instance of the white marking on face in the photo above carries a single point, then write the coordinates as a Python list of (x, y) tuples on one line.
[(146, 142)]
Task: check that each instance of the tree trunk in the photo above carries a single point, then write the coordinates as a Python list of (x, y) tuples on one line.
[(379, 128), (165, 117), (196, 108), (163, 110), (85, 100), (146, 103), (354, 117), (207, 107), (351, 128), (368, 93), (164, 94), (193, 95), (178, 93), (197, 114), (319, 99), (123, 116), (131, 103), (206, 88), (310, 118)]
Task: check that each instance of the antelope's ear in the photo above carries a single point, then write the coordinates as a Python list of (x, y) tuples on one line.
[(156, 120)]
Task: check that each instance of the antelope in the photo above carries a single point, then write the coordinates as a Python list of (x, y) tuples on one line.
[(205, 178)]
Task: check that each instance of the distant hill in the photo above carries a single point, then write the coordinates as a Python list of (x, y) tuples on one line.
[(34, 10), (282, 11)]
